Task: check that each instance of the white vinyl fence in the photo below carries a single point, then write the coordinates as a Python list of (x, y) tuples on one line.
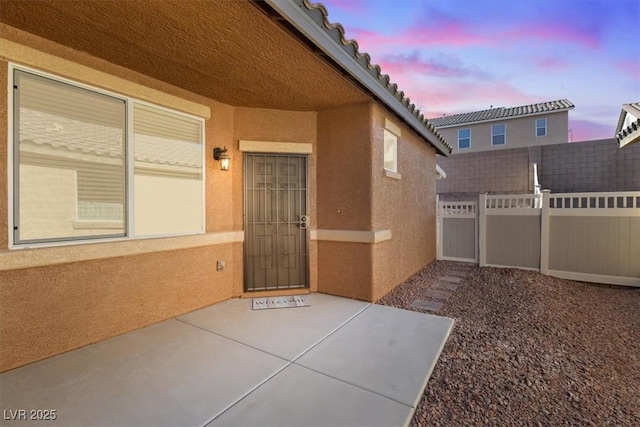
[(593, 237), (457, 231)]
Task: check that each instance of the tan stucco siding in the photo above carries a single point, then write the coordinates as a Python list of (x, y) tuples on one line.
[(52, 309), (56, 307), (406, 206), (344, 200), (345, 269), (521, 132), (4, 126), (344, 168)]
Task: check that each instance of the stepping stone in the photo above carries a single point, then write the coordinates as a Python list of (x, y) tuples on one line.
[(451, 279), (421, 304), (441, 295), (445, 286), (457, 273)]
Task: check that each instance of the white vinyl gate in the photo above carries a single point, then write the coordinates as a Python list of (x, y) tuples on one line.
[(457, 231)]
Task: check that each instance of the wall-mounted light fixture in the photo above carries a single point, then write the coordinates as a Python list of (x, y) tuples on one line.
[(221, 155)]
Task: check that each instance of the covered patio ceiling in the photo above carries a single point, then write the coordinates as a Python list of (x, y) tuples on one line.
[(229, 51)]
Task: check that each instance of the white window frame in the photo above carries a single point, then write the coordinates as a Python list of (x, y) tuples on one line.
[(469, 138), (394, 137), (129, 162), (541, 127), (494, 134)]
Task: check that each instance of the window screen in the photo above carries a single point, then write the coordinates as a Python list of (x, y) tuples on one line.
[(168, 172), (69, 161)]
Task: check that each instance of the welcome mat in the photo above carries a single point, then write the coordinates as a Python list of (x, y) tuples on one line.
[(281, 302)]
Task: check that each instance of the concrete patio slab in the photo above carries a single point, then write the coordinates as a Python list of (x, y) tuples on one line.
[(385, 350), (298, 396), (286, 333), (168, 374), (359, 364)]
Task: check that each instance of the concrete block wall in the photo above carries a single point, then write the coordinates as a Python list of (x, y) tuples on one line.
[(470, 174), (588, 166)]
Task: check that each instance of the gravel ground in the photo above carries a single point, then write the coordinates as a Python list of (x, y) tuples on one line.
[(529, 349)]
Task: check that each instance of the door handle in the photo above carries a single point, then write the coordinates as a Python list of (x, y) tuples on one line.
[(303, 222)]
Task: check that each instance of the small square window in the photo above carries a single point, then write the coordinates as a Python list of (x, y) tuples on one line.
[(464, 138), (541, 127), (390, 151), (498, 134)]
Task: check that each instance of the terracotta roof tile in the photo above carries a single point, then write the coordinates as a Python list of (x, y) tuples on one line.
[(337, 32), (502, 113)]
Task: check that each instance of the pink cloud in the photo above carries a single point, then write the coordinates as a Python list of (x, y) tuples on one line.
[(585, 130), (554, 32), (630, 67), (442, 66), (553, 64)]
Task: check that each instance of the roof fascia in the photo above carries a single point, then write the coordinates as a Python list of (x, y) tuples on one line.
[(307, 26), (502, 119)]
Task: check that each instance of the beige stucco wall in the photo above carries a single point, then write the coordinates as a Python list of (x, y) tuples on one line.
[(521, 132), (406, 206), (344, 199), (58, 305)]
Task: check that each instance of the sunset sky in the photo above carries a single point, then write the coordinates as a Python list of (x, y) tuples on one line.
[(455, 56)]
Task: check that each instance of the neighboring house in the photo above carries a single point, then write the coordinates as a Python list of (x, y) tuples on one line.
[(502, 128), (586, 166), (114, 213), (628, 128)]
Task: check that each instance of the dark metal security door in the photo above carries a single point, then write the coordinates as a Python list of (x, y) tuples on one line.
[(275, 202)]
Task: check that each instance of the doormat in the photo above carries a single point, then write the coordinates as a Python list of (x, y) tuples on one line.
[(281, 302)]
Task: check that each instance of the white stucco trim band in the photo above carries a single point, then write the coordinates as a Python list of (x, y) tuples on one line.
[(276, 147), (351, 236), (36, 257)]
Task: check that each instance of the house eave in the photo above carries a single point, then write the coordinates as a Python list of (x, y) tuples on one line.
[(298, 15)]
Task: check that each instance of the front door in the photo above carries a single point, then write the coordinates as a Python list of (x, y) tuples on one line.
[(275, 224)]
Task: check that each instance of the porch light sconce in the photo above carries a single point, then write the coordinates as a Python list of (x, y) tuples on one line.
[(221, 155)]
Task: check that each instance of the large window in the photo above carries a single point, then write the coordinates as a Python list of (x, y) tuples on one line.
[(84, 170), (390, 151), (498, 134), (464, 138), (541, 127)]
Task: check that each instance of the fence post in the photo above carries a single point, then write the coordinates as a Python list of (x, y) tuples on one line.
[(544, 232), (438, 228), (482, 231)]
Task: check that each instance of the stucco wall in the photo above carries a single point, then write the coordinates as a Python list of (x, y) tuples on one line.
[(60, 305), (51, 309), (344, 199), (406, 206), (521, 132)]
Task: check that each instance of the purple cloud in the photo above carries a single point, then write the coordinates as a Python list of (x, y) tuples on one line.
[(586, 130), (439, 66)]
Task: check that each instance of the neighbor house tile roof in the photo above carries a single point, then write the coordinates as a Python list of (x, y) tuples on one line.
[(631, 133), (318, 13), (502, 113)]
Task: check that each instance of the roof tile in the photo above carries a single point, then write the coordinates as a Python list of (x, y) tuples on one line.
[(502, 113)]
